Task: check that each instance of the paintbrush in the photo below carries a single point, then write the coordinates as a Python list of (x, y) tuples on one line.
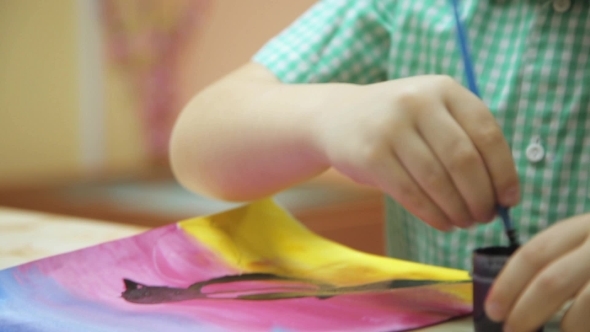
[(472, 83)]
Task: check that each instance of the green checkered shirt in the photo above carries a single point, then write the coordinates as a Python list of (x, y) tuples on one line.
[(531, 60)]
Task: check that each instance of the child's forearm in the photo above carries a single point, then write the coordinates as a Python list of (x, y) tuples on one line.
[(248, 135)]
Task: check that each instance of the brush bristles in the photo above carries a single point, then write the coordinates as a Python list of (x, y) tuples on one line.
[(512, 237)]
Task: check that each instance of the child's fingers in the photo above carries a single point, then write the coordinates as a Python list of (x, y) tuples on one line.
[(549, 290), (485, 133), (577, 317), (528, 261), (426, 170), (393, 179), (462, 162)]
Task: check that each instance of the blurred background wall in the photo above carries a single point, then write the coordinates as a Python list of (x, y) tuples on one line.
[(89, 90), (39, 93), (46, 84)]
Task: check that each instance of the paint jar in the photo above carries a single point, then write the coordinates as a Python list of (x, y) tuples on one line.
[(487, 264)]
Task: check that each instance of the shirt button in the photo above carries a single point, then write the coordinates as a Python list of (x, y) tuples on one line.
[(535, 152), (562, 6)]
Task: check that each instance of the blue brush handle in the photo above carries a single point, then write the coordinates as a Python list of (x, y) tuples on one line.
[(472, 83), (463, 44), (503, 212)]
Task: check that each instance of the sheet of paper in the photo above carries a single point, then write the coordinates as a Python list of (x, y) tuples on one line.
[(254, 268)]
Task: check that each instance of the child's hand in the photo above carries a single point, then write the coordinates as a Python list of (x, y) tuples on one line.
[(429, 143), (551, 269)]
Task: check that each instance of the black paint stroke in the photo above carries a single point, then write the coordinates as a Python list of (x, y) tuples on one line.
[(279, 287)]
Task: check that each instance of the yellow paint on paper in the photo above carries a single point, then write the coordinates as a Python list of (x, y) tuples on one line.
[(262, 237)]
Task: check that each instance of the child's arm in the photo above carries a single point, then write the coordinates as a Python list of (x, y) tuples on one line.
[(426, 141), (248, 135)]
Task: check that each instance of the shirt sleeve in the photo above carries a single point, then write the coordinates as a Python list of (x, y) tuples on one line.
[(334, 41)]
